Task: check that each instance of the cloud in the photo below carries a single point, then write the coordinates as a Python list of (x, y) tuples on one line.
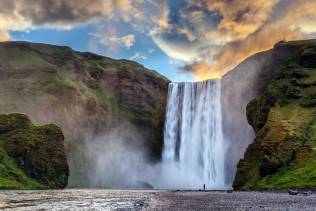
[(63, 14), (113, 41), (238, 19), (201, 69), (150, 51), (177, 47), (138, 56), (4, 36), (294, 22), (19, 15), (214, 36)]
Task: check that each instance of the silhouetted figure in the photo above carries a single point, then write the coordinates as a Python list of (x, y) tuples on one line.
[(204, 187)]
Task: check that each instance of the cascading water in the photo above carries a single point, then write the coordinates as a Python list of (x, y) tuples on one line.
[(194, 149)]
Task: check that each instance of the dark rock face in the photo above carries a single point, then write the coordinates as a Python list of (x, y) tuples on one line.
[(37, 150), (84, 94), (307, 59), (282, 154)]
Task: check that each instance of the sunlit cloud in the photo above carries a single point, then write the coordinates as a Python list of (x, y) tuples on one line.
[(235, 31), (4, 36), (113, 41)]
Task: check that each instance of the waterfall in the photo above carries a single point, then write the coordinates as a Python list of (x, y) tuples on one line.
[(194, 149)]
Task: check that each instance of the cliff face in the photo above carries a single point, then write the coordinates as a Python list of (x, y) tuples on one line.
[(84, 94), (239, 86), (283, 153), (31, 156)]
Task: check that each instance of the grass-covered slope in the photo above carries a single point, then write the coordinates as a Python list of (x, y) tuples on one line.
[(31, 157), (283, 154), (84, 94)]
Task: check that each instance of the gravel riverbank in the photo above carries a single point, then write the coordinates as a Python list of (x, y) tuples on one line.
[(73, 199)]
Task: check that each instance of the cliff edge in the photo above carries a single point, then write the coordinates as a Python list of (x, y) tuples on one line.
[(283, 153)]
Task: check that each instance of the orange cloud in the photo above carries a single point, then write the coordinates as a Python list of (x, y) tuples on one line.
[(235, 52), (203, 70), (239, 18), (4, 36), (296, 21)]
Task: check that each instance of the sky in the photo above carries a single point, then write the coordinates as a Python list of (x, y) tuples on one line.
[(184, 40)]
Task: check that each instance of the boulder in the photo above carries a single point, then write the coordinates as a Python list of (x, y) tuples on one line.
[(37, 150)]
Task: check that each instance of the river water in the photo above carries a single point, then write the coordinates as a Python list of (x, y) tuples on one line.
[(72, 199)]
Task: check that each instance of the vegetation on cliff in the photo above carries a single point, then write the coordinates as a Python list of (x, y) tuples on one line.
[(84, 94), (31, 157), (283, 154)]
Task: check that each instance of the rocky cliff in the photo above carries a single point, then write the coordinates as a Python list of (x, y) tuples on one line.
[(31, 156), (239, 86), (283, 153), (86, 95)]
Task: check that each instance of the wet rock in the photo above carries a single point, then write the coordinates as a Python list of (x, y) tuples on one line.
[(307, 193), (294, 92), (140, 204), (293, 192)]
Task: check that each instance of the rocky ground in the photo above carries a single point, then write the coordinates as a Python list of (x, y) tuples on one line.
[(153, 200)]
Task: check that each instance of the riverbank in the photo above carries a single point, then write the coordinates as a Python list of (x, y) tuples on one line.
[(153, 200)]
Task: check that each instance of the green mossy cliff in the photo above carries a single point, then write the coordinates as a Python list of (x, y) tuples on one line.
[(84, 94), (31, 157), (283, 153)]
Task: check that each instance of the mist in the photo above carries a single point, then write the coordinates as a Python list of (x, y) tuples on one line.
[(117, 158)]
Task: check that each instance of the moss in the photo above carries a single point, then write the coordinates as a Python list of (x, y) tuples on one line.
[(291, 177), (13, 177), (31, 156), (14, 121), (284, 145)]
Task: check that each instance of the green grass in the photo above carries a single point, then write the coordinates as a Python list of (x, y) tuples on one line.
[(291, 177), (26, 60), (11, 176)]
